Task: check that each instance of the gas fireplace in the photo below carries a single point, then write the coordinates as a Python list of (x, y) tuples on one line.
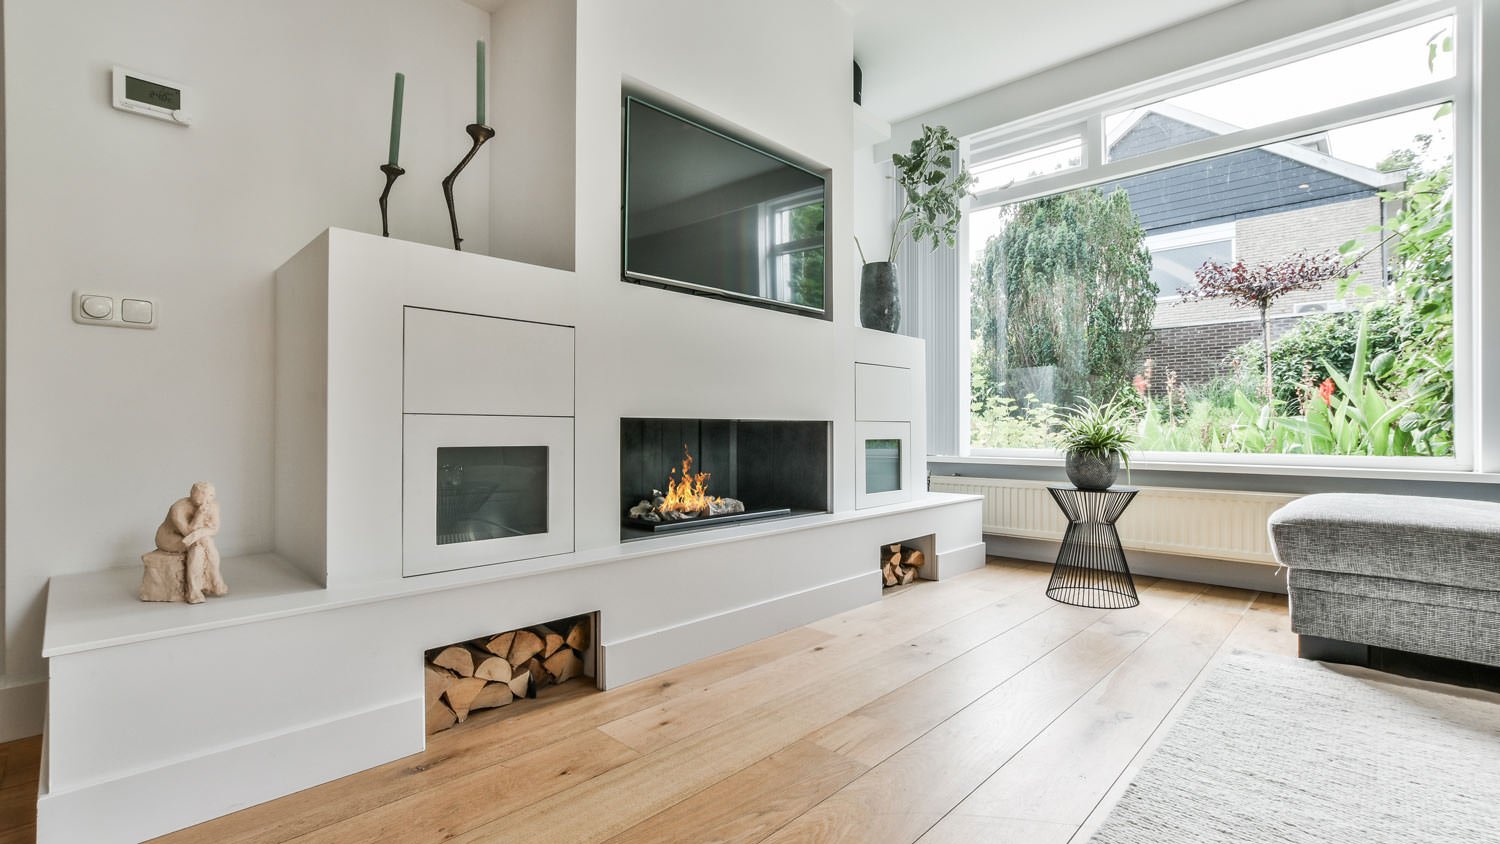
[(689, 474)]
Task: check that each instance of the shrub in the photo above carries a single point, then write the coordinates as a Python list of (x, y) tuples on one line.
[(1306, 352)]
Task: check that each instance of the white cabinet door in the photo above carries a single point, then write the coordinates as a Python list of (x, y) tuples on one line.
[(476, 365), (485, 489), (883, 393), (883, 464)]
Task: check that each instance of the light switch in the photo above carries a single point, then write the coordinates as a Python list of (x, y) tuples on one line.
[(97, 307), (113, 310), (137, 311)]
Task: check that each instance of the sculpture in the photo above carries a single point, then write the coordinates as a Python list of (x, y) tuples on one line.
[(185, 564)]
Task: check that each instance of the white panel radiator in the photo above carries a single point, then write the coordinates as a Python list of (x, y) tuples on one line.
[(1218, 524)]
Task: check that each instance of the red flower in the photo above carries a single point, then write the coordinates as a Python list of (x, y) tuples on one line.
[(1325, 390), (1140, 384)]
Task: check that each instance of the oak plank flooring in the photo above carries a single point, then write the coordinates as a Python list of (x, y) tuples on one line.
[(972, 709), (1064, 771), (957, 756)]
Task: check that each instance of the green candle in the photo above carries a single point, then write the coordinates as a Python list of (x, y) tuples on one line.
[(479, 82), (396, 99)]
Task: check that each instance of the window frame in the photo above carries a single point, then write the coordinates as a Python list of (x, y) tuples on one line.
[(1087, 117), (1196, 236)]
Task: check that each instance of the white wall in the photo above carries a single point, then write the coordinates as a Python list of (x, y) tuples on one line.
[(108, 426), (533, 83)]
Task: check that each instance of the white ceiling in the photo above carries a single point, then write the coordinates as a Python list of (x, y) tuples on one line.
[(917, 55)]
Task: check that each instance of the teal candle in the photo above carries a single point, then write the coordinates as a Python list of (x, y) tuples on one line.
[(479, 82), (396, 100)]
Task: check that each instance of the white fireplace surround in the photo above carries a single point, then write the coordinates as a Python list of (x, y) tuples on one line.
[(354, 406)]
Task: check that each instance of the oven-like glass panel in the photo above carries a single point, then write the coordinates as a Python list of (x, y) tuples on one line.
[(882, 466), (491, 492)]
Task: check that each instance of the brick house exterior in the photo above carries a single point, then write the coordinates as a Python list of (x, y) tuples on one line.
[(1261, 205)]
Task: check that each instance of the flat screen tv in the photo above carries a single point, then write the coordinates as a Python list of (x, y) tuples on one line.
[(709, 213)]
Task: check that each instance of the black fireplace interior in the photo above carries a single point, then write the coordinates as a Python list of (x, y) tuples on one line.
[(767, 464)]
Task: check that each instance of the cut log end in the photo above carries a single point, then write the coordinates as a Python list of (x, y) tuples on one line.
[(523, 647), (564, 665), (439, 717), (456, 658), (461, 695)]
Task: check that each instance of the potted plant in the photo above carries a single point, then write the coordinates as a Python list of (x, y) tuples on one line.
[(1096, 439), (931, 189)]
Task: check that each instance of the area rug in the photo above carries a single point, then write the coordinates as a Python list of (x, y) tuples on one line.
[(1275, 749)]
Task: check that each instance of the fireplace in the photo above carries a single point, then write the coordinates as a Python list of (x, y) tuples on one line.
[(692, 474)]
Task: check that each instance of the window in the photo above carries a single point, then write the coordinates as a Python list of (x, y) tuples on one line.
[(794, 253), (1391, 63), (1261, 267), (1044, 160), (1176, 257)]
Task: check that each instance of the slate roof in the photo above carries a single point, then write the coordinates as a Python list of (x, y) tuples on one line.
[(1229, 187)]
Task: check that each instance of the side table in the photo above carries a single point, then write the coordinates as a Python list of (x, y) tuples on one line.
[(1091, 570)]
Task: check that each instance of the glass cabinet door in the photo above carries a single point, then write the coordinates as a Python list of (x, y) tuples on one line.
[(490, 492), (882, 465), (480, 490), (883, 474)]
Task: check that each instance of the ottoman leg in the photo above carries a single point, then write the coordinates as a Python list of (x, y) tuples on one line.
[(1332, 650)]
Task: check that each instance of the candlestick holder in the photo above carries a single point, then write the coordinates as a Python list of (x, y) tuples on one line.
[(392, 173), (478, 133)]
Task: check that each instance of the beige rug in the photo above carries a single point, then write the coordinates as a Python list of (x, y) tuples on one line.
[(1274, 749)]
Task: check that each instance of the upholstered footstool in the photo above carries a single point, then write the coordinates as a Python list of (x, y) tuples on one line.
[(1412, 574)]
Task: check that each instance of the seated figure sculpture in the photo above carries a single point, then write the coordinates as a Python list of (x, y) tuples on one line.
[(185, 564)]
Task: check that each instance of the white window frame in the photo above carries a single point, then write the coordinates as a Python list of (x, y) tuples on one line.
[(1215, 233), (1470, 453)]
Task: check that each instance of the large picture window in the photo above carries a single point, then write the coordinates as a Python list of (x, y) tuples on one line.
[(1292, 296)]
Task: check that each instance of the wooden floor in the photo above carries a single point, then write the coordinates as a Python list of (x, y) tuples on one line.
[(970, 710)]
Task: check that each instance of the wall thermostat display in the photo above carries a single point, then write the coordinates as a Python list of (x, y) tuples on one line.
[(151, 96)]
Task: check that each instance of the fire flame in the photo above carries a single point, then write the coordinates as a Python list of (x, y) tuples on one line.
[(687, 493)]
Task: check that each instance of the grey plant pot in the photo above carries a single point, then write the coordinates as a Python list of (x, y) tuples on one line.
[(1087, 471), (879, 300)]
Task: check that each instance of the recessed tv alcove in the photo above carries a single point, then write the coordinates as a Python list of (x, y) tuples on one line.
[(709, 213), (776, 468)]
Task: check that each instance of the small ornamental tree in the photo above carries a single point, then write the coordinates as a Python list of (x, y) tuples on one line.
[(1259, 287)]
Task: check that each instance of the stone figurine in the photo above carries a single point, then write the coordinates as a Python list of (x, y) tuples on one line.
[(185, 564)]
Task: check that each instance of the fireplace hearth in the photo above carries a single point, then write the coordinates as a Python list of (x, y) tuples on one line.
[(681, 475)]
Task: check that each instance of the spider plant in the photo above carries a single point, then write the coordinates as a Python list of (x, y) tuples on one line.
[(1098, 431)]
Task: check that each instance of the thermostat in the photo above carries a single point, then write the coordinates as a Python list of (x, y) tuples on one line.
[(151, 96)]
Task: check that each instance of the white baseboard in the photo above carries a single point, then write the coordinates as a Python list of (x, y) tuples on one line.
[(153, 802), (952, 561), (627, 660), (23, 707), (1257, 576)]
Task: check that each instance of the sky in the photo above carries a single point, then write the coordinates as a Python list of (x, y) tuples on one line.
[(1394, 62)]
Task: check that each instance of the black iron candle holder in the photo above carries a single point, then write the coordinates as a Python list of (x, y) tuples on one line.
[(392, 172), (478, 133)]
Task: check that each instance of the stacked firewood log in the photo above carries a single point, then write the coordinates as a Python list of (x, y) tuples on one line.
[(495, 670), (898, 564)]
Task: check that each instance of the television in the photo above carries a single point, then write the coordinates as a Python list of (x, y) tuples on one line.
[(709, 213)]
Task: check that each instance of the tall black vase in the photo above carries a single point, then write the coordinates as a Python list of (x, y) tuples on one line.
[(879, 300)]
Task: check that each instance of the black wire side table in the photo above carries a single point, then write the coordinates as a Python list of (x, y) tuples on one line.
[(1091, 570)]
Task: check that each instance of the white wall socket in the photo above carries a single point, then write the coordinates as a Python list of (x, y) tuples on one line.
[(91, 308)]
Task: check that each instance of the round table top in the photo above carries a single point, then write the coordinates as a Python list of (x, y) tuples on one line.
[(1113, 489)]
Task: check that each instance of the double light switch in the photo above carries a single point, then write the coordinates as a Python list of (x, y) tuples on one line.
[(117, 311)]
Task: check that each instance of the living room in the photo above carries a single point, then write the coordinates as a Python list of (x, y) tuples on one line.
[(804, 420)]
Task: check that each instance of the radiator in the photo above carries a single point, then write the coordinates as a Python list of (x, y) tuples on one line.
[(1212, 523)]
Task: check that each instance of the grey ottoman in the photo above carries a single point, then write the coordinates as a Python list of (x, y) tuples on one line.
[(1391, 571)]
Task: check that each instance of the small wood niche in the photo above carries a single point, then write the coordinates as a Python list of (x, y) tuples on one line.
[(516, 665), (901, 563)]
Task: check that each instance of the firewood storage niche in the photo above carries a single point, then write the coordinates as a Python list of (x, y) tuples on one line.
[(523, 666)]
